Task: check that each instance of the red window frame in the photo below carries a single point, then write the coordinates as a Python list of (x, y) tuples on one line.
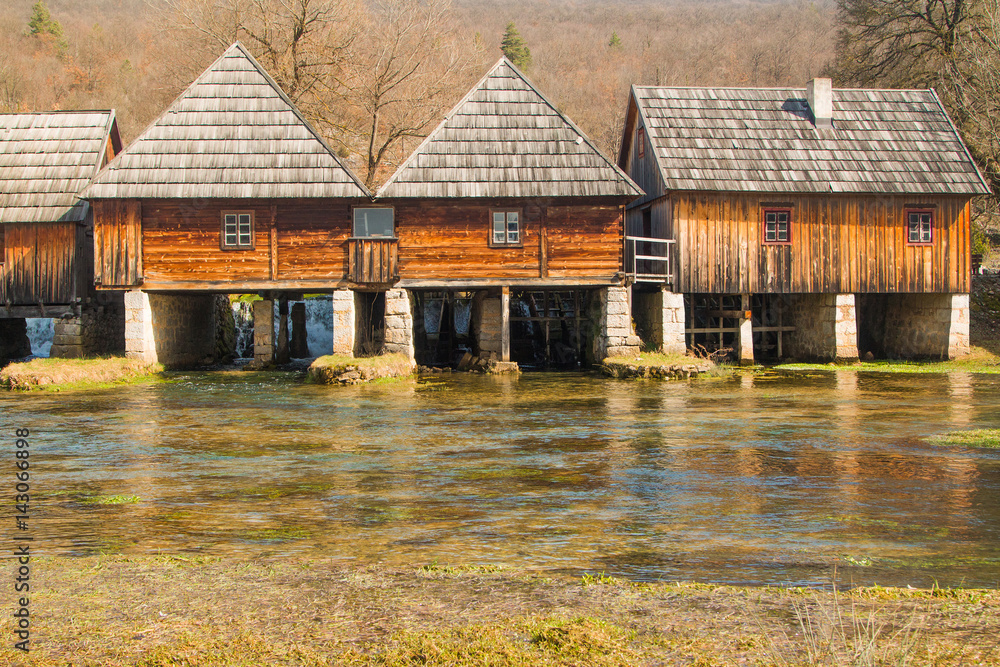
[(640, 142), (776, 211), (921, 241)]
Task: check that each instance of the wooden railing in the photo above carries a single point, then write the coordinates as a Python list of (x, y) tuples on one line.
[(649, 260), (373, 261)]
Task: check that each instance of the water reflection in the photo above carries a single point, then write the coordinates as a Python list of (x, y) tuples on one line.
[(763, 479)]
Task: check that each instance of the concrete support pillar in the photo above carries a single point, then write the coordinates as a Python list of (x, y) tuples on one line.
[(505, 323), (263, 331), (746, 333), (615, 337), (343, 322), (846, 328), (398, 323), (488, 324), (139, 340), (673, 323), (958, 330), (826, 327)]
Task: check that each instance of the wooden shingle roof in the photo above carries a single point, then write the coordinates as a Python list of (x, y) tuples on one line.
[(504, 139), (232, 134), (46, 159), (764, 140)]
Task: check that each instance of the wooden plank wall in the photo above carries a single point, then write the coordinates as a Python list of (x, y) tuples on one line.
[(117, 243), (441, 240), (840, 244), (40, 261)]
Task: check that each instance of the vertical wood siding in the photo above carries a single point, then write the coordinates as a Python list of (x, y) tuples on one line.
[(117, 243), (40, 260), (839, 244)]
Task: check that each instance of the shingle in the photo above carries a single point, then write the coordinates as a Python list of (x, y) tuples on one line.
[(763, 140), (232, 134), (506, 140), (46, 159)]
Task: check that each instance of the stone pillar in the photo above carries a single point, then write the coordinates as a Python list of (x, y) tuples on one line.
[(99, 330), (299, 347), (343, 322), (958, 331), (263, 332), (67, 338), (926, 325), (674, 341), (281, 353), (826, 327), (139, 340), (614, 331), (659, 320), (398, 323), (490, 321), (745, 343)]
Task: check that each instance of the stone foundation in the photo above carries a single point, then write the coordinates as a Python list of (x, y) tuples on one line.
[(914, 326), (487, 318), (176, 330), (825, 327), (99, 330), (398, 323), (343, 322), (263, 332), (614, 336), (659, 320)]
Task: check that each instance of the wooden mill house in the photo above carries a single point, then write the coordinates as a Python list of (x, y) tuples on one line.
[(46, 251), (509, 227), (229, 191), (813, 223)]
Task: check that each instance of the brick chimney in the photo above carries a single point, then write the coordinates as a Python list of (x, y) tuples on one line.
[(819, 94)]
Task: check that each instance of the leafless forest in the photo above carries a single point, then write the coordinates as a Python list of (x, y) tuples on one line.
[(346, 63)]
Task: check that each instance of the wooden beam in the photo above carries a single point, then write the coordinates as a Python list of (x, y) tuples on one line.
[(543, 247), (505, 323), (274, 241), (36, 311), (527, 283)]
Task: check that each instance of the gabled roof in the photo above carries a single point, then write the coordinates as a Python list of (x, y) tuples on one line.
[(46, 159), (764, 140), (232, 134), (504, 139)]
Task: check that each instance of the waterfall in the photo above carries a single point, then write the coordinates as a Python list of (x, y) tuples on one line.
[(243, 317), (40, 333), (319, 325)]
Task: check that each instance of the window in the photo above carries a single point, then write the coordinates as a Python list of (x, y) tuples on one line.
[(506, 228), (778, 225), (640, 142), (237, 230), (374, 222), (919, 227)]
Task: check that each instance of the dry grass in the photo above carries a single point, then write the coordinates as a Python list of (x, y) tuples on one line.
[(341, 369), (55, 374), (986, 438), (191, 611)]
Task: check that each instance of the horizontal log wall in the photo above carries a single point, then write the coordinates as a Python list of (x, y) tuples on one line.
[(41, 263), (839, 244)]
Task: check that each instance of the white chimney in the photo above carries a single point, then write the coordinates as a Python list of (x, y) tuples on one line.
[(819, 94)]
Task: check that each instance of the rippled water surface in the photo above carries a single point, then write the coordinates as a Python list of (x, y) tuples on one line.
[(749, 479)]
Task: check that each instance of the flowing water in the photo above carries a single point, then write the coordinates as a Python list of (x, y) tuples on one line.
[(746, 479)]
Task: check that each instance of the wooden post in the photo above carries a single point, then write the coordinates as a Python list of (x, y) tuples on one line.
[(282, 356), (543, 247), (505, 323), (746, 332), (274, 241)]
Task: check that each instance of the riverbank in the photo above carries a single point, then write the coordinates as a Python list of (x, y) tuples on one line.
[(194, 611), (979, 360), (656, 365), (66, 374)]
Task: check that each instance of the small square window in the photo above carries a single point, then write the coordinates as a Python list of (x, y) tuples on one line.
[(919, 227), (778, 226), (374, 223), (237, 230), (506, 228)]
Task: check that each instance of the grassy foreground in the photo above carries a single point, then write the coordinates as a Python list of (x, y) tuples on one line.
[(57, 374), (979, 360), (173, 611), (984, 438)]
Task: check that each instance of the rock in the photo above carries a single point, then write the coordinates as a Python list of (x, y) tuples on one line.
[(869, 356), (465, 363)]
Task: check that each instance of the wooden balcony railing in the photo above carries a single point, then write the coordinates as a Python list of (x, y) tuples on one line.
[(373, 261), (649, 260)]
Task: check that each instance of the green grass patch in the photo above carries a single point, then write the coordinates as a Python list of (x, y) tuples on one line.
[(979, 360), (66, 374), (341, 369), (986, 438), (112, 500)]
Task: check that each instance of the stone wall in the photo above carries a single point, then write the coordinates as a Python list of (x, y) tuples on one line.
[(263, 332), (913, 326), (659, 319), (613, 332), (343, 322), (177, 330), (99, 330), (487, 317), (398, 322), (825, 328)]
